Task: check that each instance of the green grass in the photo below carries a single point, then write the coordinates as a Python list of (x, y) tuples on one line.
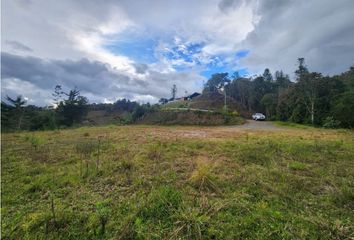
[(185, 116), (291, 124), (176, 104), (178, 183)]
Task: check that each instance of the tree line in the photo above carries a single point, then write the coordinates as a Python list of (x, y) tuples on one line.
[(70, 109), (310, 98)]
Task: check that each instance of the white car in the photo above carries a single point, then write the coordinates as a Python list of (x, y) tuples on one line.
[(258, 116)]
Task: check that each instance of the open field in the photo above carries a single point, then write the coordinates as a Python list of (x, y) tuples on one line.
[(150, 182)]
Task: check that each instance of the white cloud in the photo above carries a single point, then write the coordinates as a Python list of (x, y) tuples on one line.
[(59, 34), (321, 31)]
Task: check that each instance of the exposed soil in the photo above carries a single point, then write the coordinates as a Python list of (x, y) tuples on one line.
[(256, 125)]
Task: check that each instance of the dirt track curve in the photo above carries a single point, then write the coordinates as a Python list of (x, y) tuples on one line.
[(257, 125)]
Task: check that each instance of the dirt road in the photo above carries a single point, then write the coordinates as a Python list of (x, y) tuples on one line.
[(257, 125), (223, 131)]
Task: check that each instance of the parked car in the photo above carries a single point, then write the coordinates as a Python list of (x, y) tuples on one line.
[(258, 116)]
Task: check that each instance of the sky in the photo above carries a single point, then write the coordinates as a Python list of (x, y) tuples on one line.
[(137, 49)]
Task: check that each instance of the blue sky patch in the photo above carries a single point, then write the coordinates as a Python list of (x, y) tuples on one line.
[(184, 56), (141, 51), (242, 53)]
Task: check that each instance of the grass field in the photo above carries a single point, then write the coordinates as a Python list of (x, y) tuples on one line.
[(148, 182)]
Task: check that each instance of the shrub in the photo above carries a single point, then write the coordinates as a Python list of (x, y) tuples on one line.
[(330, 122), (36, 141)]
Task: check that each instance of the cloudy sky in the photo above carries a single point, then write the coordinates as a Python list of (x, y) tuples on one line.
[(137, 49)]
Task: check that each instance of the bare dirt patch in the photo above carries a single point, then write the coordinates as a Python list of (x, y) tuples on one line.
[(257, 125)]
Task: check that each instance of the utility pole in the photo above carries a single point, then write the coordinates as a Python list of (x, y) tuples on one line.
[(225, 105), (222, 89)]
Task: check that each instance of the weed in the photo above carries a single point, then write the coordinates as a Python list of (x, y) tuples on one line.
[(103, 212), (35, 141), (155, 151), (190, 223), (85, 149), (126, 165), (297, 165), (203, 178)]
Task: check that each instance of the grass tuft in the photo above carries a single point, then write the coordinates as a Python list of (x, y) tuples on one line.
[(297, 165), (203, 179)]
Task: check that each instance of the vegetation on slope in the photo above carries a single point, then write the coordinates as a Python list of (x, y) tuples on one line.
[(186, 116), (141, 182)]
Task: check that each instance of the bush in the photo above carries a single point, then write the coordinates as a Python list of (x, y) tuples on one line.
[(330, 122), (36, 141)]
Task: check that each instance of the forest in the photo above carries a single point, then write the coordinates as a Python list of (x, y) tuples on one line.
[(310, 98)]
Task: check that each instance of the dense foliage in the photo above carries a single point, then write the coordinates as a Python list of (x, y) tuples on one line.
[(71, 109), (310, 98)]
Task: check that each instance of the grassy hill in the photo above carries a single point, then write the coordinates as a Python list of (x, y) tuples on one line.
[(215, 101), (148, 182), (102, 117), (210, 101), (178, 112)]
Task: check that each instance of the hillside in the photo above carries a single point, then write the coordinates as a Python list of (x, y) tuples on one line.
[(178, 116), (179, 112), (215, 101), (102, 117)]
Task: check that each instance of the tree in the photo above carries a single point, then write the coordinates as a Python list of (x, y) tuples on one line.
[(216, 82), (239, 89), (269, 101), (343, 109), (235, 75), (308, 86), (174, 91), (282, 81), (302, 69), (73, 109), (285, 104), (125, 105), (163, 100), (18, 105), (58, 94), (267, 75), (258, 90)]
